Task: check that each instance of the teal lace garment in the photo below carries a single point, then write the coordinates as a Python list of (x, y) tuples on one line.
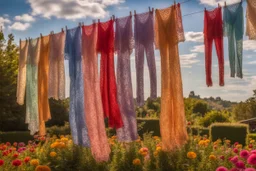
[(234, 30), (32, 116)]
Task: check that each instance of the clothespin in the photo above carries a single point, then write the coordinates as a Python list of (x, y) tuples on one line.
[(204, 8), (114, 18), (83, 23), (53, 32), (79, 24), (41, 35), (225, 3), (134, 12), (130, 13), (218, 5), (98, 20), (174, 2), (149, 9), (62, 29), (66, 28)]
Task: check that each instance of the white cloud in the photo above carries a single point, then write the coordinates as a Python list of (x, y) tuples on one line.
[(249, 45), (72, 9), (215, 2), (19, 26), (198, 49), (194, 36), (25, 18), (187, 60), (4, 21), (252, 63)]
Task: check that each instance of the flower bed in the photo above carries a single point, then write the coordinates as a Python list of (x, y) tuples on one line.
[(60, 154)]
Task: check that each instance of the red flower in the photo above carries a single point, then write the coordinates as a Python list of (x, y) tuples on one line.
[(8, 144), (27, 159), (16, 163), (250, 146), (235, 150), (5, 153), (236, 143), (15, 144), (15, 155), (32, 150), (1, 162), (222, 157), (189, 123)]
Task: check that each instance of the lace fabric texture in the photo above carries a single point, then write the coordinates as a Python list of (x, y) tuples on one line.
[(234, 30), (21, 81), (172, 117), (213, 30), (105, 46), (56, 66), (92, 97), (76, 106), (251, 19), (144, 42), (43, 70), (124, 46), (32, 114)]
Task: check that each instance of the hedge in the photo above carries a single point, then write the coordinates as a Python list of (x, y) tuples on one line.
[(252, 136), (197, 130), (233, 132), (18, 136)]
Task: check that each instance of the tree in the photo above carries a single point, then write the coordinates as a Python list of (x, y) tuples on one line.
[(213, 117)]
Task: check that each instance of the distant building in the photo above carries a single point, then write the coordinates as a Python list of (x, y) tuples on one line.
[(251, 122)]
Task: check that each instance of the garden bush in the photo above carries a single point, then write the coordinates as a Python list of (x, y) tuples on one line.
[(233, 132), (22, 136), (197, 130), (149, 126), (213, 117), (252, 136)]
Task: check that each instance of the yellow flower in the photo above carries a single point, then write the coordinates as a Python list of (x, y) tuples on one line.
[(54, 145), (252, 141), (136, 162), (143, 151), (113, 137), (203, 143), (155, 153), (62, 136), (41, 150), (156, 138), (53, 154), (191, 155), (61, 145), (207, 141), (158, 149), (212, 157), (34, 162), (42, 168), (64, 140), (227, 141), (239, 146)]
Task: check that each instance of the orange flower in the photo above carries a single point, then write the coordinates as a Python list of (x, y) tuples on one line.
[(27, 159), (42, 168)]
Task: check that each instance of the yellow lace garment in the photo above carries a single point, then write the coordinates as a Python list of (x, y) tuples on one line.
[(21, 83), (168, 33), (43, 70), (251, 19)]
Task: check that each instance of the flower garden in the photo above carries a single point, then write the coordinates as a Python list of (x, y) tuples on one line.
[(59, 153)]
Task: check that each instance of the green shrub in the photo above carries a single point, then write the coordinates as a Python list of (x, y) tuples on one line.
[(232, 132), (59, 130), (251, 136), (213, 117), (150, 125), (19, 136), (197, 130)]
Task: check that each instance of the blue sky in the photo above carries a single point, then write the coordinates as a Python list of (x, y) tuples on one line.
[(29, 18)]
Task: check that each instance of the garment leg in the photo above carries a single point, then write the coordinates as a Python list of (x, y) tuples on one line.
[(139, 57), (152, 70), (220, 53), (239, 61), (232, 52), (208, 60)]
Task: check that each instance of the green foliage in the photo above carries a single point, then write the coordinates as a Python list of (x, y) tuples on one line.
[(197, 130), (251, 136), (245, 110), (150, 126), (12, 137), (232, 132), (151, 109), (213, 117)]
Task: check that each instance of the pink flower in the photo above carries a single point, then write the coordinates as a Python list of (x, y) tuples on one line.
[(252, 159), (240, 164), (234, 169), (253, 151), (221, 168), (21, 144), (250, 145), (244, 154), (236, 143), (8, 144), (235, 150), (234, 160), (250, 169)]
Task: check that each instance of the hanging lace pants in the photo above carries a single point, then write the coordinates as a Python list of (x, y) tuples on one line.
[(124, 46), (92, 98), (32, 115), (251, 19), (234, 30), (169, 32), (144, 42), (213, 32), (76, 104)]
